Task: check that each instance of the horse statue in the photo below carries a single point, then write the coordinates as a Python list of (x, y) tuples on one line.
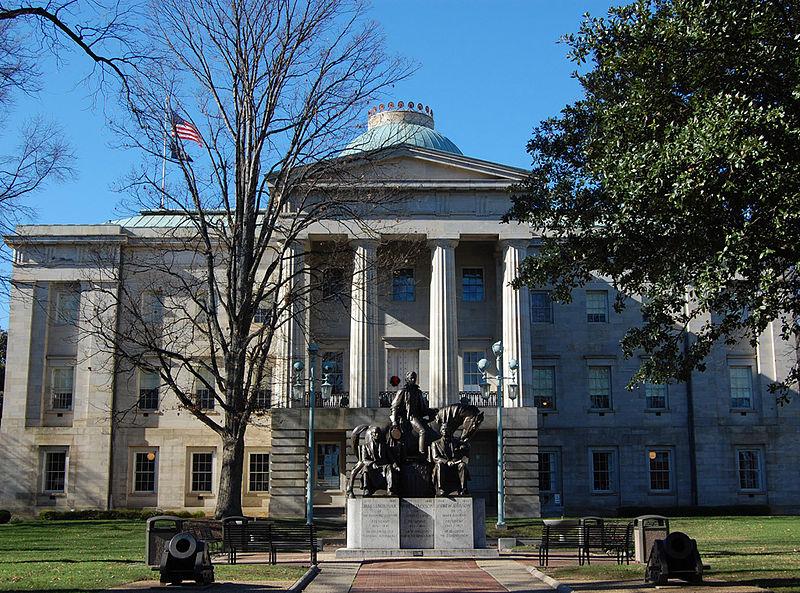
[(449, 454)]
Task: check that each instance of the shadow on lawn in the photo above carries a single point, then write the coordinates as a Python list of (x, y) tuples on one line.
[(726, 553), (69, 561), (185, 588)]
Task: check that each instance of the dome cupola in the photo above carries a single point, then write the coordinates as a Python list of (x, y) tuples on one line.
[(397, 124)]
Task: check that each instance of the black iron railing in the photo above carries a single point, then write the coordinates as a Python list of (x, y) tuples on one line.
[(385, 398), (476, 399)]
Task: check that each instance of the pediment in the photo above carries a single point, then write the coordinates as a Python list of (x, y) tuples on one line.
[(423, 166)]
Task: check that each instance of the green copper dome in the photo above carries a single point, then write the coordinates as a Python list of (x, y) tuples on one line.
[(403, 125)]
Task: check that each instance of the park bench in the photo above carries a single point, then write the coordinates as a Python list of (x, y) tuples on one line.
[(602, 537), (245, 535), (207, 530), (561, 534), (293, 538)]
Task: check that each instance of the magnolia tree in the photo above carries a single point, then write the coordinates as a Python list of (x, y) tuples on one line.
[(674, 176), (269, 90)]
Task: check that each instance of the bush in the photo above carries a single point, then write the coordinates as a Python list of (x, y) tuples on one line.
[(731, 510), (5, 516), (128, 514)]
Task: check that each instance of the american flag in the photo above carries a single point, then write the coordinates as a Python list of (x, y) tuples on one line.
[(185, 130)]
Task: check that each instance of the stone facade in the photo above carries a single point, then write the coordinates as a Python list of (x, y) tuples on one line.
[(576, 441)]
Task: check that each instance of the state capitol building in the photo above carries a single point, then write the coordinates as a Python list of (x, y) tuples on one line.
[(575, 440)]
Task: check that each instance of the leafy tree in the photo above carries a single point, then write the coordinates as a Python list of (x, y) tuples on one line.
[(676, 175)]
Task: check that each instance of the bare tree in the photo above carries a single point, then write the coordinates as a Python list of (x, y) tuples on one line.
[(276, 86), (105, 33)]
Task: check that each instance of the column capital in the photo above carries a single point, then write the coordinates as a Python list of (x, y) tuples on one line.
[(366, 243), (444, 243), (515, 243)]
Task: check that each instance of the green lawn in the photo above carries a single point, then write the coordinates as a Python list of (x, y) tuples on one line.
[(753, 550), (72, 556)]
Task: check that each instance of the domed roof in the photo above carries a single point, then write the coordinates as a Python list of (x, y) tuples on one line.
[(399, 126)]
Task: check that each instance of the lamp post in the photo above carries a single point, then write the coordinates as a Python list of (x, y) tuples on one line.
[(298, 391), (513, 391)]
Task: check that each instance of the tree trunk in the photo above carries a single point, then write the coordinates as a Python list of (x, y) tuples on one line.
[(229, 500)]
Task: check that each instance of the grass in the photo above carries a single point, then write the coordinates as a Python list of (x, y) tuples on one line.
[(764, 551), (73, 556)]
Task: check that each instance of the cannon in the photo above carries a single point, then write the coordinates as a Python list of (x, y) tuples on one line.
[(675, 556), (186, 559)]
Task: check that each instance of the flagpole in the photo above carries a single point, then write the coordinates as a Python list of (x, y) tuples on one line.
[(164, 160)]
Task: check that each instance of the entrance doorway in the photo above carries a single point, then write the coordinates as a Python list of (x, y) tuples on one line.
[(400, 361)]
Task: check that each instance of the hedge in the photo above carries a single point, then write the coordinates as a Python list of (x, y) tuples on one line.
[(129, 514)]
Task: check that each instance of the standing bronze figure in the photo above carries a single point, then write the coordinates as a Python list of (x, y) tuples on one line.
[(410, 406)]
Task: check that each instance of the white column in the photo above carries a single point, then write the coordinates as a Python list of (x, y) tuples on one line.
[(290, 335), (516, 322), (364, 326), (443, 371)]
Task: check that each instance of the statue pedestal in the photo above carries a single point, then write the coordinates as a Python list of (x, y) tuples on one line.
[(395, 527)]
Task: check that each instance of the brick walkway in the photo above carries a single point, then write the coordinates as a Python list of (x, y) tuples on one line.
[(428, 576)]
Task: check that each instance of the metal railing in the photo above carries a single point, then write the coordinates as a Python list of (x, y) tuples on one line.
[(476, 399), (385, 398)]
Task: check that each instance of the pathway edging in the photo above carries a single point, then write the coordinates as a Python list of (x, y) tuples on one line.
[(304, 580), (549, 581)]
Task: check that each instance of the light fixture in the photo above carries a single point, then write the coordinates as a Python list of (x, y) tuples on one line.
[(652, 455), (298, 388), (513, 387), (151, 456), (326, 387), (513, 391), (485, 387), (497, 348)]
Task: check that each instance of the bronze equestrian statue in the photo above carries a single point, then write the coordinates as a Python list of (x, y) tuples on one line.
[(407, 457)]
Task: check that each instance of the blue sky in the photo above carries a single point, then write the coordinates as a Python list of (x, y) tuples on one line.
[(490, 70)]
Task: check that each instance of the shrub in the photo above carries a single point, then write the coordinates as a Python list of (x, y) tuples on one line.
[(5, 516), (128, 514)]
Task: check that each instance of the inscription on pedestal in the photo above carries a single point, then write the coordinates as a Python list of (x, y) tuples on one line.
[(416, 522), (453, 523), (380, 523)]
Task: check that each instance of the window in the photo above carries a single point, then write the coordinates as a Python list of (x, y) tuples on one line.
[(153, 308), (471, 374), (749, 467), (655, 395), (332, 283), (472, 284), (263, 398), (336, 377), (600, 388), (61, 387), (202, 471), (547, 472), (541, 307), (149, 382), (261, 315), (144, 471), (741, 387), (602, 470), (596, 306), (403, 286), (259, 472), (204, 395), (544, 387), (660, 470), (54, 476), (67, 306)]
